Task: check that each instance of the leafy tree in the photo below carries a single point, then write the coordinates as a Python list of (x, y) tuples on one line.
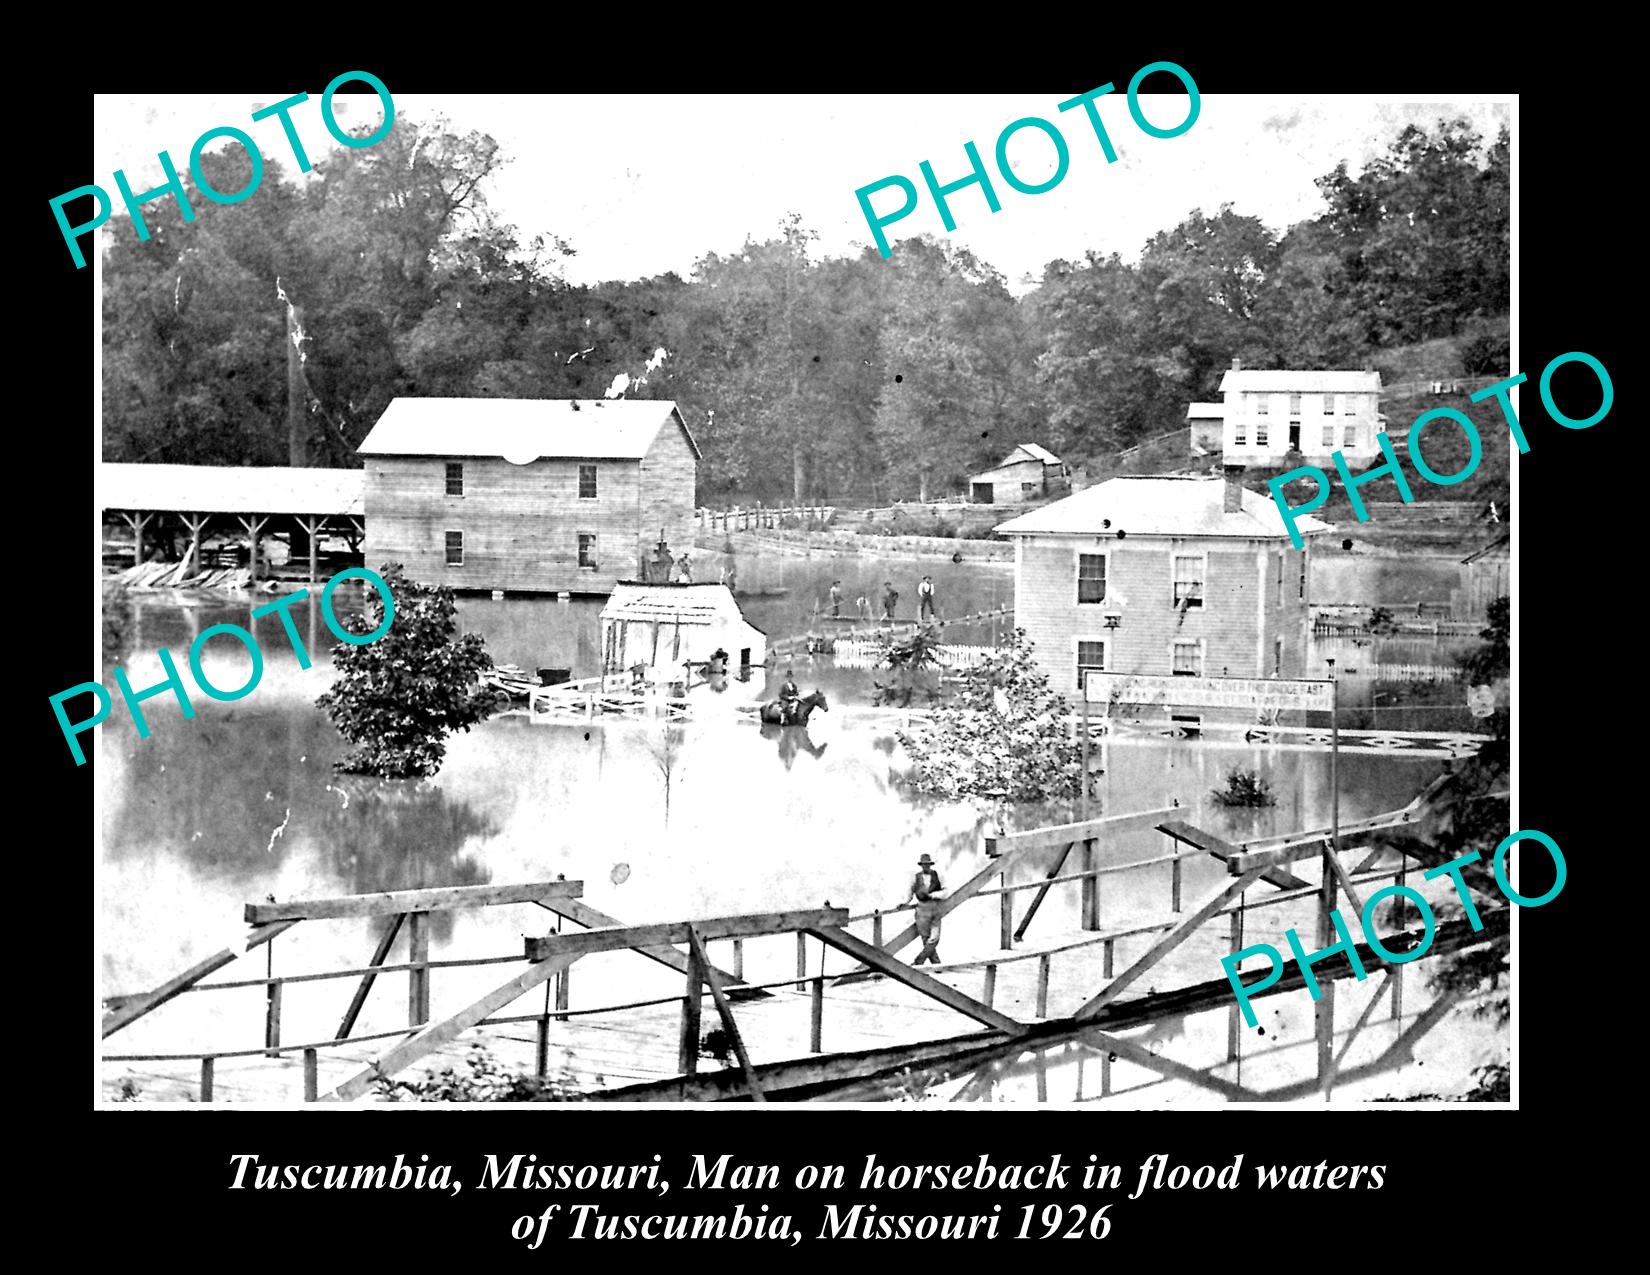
[(398, 698), (912, 661), (1472, 812), (1003, 738)]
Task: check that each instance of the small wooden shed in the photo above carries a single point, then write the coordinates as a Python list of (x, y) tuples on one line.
[(664, 626), (1023, 475)]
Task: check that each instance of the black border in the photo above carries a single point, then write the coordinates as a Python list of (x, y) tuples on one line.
[(158, 1178)]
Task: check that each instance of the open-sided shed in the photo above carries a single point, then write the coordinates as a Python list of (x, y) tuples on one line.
[(664, 626)]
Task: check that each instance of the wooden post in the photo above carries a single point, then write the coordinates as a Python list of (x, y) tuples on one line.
[(1005, 909), (312, 1074), (1090, 887), (687, 1053), (1105, 1075), (562, 992), (312, 528), (1107, 947), (254, 527), (1234, 1030), (541, 1051), (136, 522), (801, 960), (1398, 970), (739, 959), (1174, 885), (989, 995), (418, 978), (876, 927), (1042, 985), (206, 1077), (272, 1007), (816, 1013)]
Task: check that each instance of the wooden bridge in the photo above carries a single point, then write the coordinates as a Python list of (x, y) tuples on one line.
[(888, 1023)]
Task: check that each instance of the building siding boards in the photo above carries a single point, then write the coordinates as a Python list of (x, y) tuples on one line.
[(521, 523), (1241, 618), (1007, 482)]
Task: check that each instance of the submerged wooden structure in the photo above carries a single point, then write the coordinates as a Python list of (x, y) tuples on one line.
[(303, 505), (889, 1022)]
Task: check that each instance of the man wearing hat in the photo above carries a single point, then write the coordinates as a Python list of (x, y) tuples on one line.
[(925, 889)]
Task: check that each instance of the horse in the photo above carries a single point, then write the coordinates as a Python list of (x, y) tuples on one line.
[(773, 712)]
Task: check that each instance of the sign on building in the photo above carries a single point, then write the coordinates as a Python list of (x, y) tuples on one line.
[(1110, 689)]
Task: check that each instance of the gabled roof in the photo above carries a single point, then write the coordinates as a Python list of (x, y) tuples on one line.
[(1030, 451), (674, 603), (233, 489), (523, 430), (1158, 505), (1206, 411), (1261, 380)]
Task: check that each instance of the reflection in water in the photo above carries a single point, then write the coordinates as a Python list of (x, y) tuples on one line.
[(388, 834), (792, 739)]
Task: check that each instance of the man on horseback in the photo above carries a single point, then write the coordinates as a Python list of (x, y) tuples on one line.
[(790, 698)]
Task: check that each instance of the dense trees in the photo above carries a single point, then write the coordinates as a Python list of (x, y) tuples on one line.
[(279, 328)]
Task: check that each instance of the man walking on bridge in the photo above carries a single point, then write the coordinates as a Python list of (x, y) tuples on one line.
[(925, 889)]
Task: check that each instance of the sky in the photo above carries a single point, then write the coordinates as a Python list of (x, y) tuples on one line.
[(642, 184)]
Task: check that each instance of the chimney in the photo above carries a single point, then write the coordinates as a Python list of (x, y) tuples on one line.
[(1234, 489), (1237, 365)]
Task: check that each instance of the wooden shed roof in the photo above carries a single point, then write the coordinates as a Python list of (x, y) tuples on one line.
[(523, 430), (233, 489), (674, 603), (1159, 505)]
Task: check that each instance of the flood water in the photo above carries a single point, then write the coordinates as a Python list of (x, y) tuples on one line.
[(660, 822)]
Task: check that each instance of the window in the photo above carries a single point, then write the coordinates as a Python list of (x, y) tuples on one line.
[(455, 548), (1349, 405), (1029, 489), (455, 478), (1260, 433), (1188, 659), (1328, 404), (1294, 405), (1329, 434), (587, 482), (1238, 433), (1351, 435), (1261, 405), (1188, 579), (587, 547), (1303, 575), (1091, 578), (1091, 657)]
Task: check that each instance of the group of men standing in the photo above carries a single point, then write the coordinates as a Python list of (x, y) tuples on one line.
[(926, 608)]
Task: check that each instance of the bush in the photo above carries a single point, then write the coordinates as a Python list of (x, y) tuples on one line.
[(1245, 788), (1485, 354), (398, 698), (483, 1079), (1003, 738)]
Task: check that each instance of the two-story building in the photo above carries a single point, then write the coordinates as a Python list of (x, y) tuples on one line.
[(1274, 418), (1162, 575), (528, 495)]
